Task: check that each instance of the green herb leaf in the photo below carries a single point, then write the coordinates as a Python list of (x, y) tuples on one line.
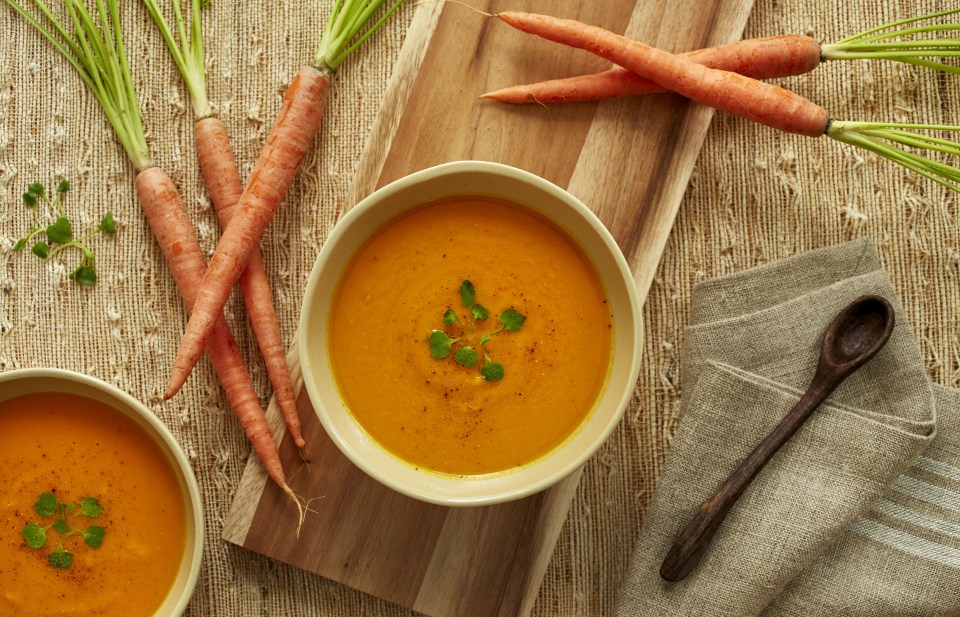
[(479, 313), (63, 187), (466, 356), (91, 507), (85, 276), (492, 371), (484, 339), (30, 199), (468, 295), (46, 505), (107, 224), (450, 317), (36, 188), (440, 344), (61, 231), (35, 535), (20, 245), (61, 526), (60, 558), (41, 249), (511, 320), (93, 536)]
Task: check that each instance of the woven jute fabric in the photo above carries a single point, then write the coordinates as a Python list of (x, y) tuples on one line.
[(755, 196), (849, 481)]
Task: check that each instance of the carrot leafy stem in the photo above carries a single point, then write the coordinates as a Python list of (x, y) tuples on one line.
[(46, 238), (887, 42), (94, 47), (187, 51), (46, 506), (442, 344), (883, 138), (345, 31)]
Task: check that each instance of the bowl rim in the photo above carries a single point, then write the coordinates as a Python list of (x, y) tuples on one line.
[(161, 435), (384, 193)]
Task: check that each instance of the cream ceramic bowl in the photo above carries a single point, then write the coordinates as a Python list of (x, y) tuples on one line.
[(30, 381), (540, 196)]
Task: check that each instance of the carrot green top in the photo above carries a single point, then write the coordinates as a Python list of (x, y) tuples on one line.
[(347, 20), (187, 52), (95, 49)]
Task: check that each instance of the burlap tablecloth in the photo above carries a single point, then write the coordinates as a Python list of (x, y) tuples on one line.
[(755, 195)]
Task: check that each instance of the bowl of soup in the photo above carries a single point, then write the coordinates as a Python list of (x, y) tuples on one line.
[(470, 334), (100, 513)]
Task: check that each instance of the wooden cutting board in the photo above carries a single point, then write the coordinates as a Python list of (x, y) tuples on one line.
[(628, 160)]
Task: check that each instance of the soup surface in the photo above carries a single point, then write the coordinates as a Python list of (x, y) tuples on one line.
[(438, 413), (77, 448)]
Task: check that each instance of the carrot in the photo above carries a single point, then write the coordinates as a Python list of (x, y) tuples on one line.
[(741, 96), (778, 56), (287, 144), (772, 105), (781, 56)]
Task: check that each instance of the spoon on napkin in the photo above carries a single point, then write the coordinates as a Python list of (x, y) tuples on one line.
[(854, 336)]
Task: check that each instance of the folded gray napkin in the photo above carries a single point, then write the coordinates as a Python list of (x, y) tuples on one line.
[(859, 513)]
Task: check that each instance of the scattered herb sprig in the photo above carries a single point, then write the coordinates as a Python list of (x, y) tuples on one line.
[(442, 344), (46, 238), (48, 506)]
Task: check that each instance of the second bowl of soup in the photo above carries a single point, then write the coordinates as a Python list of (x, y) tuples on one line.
[(470, 334)]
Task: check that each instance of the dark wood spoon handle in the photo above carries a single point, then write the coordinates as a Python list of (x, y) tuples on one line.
[(691, 543)]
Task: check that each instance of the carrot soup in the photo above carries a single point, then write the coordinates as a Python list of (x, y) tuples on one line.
[(470, 336), (107, 500)]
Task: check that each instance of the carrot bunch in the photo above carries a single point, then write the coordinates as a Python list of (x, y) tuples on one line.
[(726, 78), (218, 167), (778, 56), (94, 46), (287, 144)]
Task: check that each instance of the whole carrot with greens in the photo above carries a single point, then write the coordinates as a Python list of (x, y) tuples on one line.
[(287, 144), (94, 47), (219, 169), (779, 56), (748, 98)]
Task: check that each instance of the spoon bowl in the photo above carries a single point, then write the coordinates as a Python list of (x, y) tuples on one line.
[(858, 332)]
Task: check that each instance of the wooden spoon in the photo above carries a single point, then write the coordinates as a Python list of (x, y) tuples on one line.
[(856, 334)]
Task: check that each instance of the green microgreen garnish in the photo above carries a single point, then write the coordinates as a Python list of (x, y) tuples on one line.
[(491, 371), (47, 238), (450, 317), (442, 343), (46, 506), (466, 356), (511, 320), (468, 293), (61, 558)]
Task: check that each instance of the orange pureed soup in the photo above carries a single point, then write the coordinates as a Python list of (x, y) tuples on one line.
[(77, 448), (436, 413)]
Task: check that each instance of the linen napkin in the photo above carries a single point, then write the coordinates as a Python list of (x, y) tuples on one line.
[(848, 518)]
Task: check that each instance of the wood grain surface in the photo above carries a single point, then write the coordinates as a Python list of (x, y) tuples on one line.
[(628, 160)]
